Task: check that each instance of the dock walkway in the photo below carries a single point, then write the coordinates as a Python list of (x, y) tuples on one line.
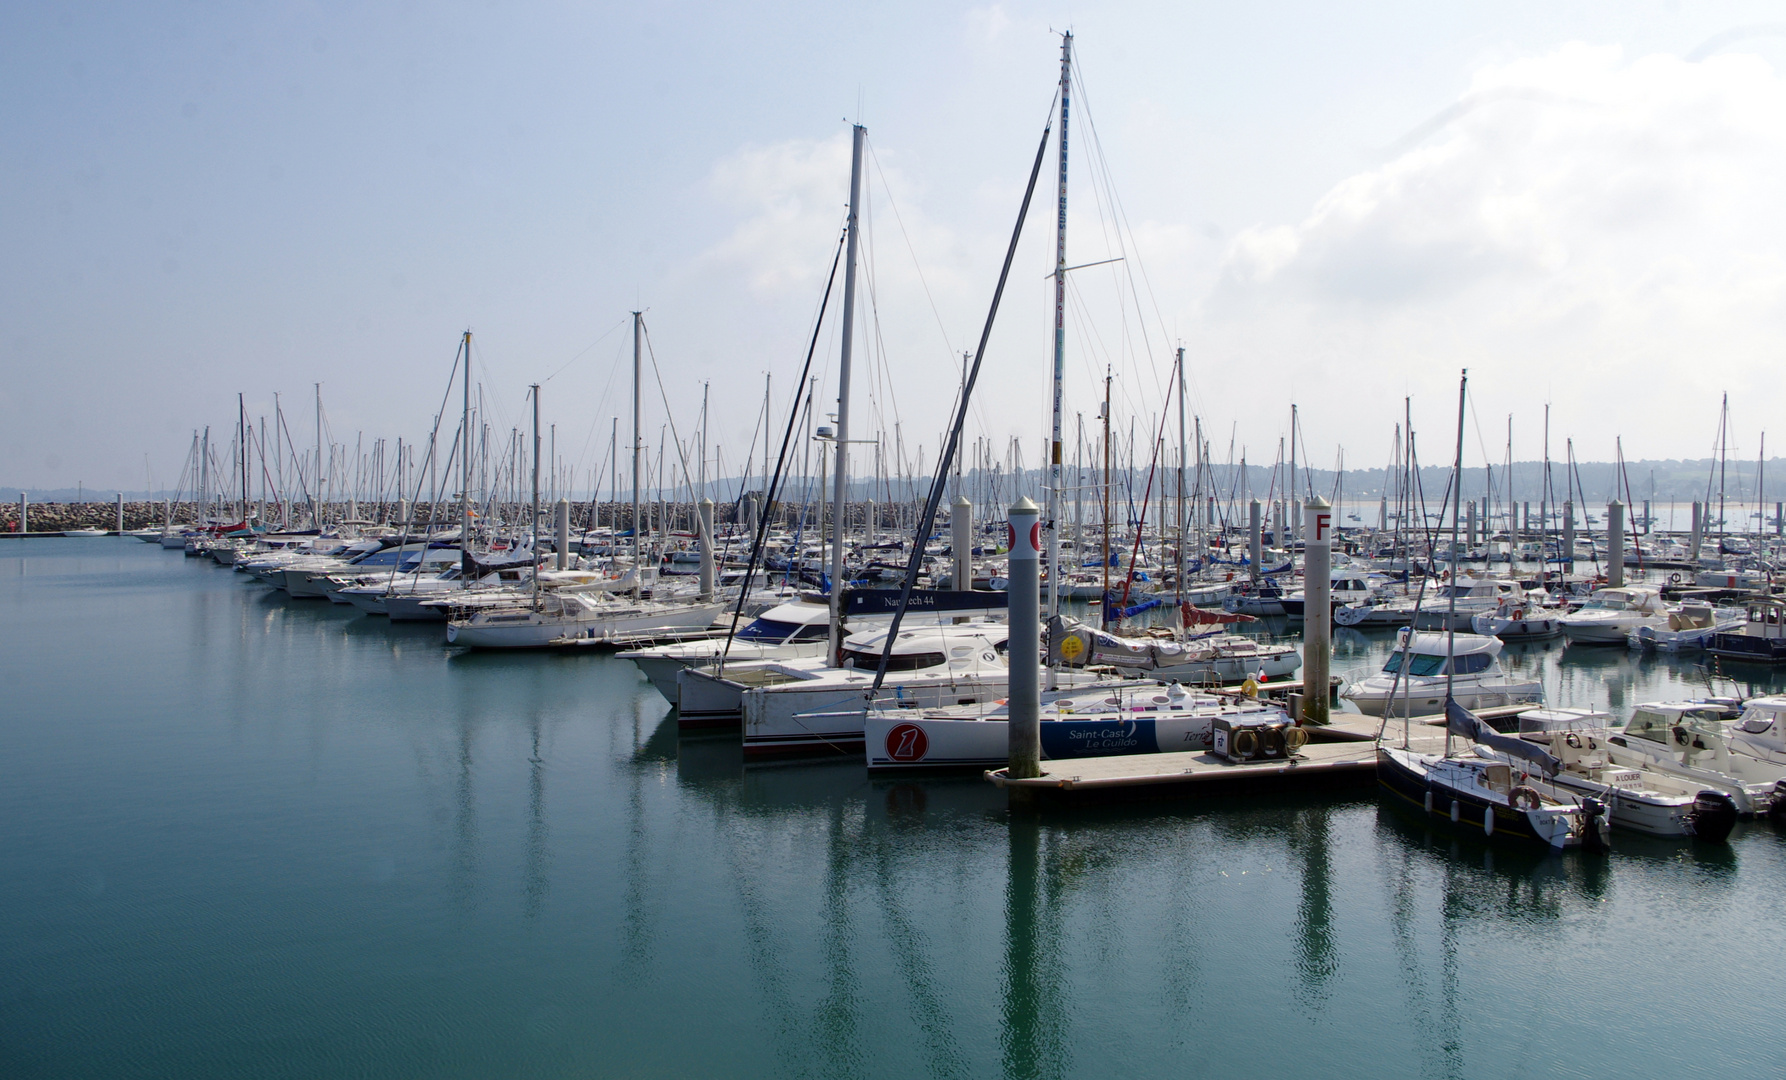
[(1342, 754)]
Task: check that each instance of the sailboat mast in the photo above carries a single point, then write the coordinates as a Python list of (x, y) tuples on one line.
[(465, 565), (1457, 491), (534, 552), (839, 483), (638, 565), (1060, 334), (316, 491), (1179, 577)]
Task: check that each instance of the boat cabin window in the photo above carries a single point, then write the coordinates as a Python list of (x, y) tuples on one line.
[(871, 661), (1649, 724), (1758, 723), (775, 630), (1418, 664), (1470, 665)]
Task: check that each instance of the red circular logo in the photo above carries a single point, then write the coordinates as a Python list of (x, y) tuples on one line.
[(907, 742)]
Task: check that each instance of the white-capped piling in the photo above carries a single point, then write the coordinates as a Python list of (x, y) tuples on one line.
[(1698, 535), (1255, 544), (1024, 597), (24, 513), (1615, 543), (961, 543), (706, 516), (1471, 528), (561, 535), (1317, 607), (868, 523), (1277, 524)]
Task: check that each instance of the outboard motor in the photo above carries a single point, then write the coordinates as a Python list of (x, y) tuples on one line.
[(1713, 816), (1594, 825), (1777, 809)]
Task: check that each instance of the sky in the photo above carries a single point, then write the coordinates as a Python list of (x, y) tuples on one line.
[(1333, 206)]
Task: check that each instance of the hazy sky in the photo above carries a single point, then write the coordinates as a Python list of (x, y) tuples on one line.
[(1581, 202)]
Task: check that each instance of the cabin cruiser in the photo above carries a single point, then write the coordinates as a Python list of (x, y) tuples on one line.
[(1415, 677), (1611, 614), (1483, 789), (1517, 620), (1689, 629), (1346, 585), (1759, 639), (1698, 741), (1640, 799), (1452, 605), (1129, 717)]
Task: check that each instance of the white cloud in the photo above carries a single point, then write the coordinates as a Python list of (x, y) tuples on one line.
[(1604, 231)]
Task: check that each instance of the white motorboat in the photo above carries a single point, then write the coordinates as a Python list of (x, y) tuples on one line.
[(1610, 615), (1099, 721), (1689, 629), (1518, 621), (1414, 679), (1452, 606), (1694, 741)]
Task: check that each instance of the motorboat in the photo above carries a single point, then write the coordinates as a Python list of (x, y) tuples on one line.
[(1695, 741), (1414, 678), (1132, 717), (1689, 629), (1761, 639), (1640, 799), (1516, 620), (1452, 605), (1611, 614)]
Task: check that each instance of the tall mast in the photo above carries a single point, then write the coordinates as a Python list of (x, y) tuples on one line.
[(465, 565), (839, 489), (242, 446), (638, 565), (316, 492), (534, 554), (1179, 577), (1457, 494), (1060, 335)]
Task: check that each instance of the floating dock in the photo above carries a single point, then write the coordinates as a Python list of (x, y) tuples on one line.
[(1338, 756)]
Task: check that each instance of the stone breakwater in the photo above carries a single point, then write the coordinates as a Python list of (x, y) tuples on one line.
[(53, 517)]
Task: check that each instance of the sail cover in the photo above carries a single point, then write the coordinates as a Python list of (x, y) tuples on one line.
[(1463, 722)]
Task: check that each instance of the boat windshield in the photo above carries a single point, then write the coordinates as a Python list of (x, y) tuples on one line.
[(774, 630), (1418, 664)]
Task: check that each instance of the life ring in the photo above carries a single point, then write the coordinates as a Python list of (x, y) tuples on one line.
[(1245, 743), (1524, 798), (1674, 578)]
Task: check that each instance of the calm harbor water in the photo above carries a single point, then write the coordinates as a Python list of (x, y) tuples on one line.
[(246, 836)]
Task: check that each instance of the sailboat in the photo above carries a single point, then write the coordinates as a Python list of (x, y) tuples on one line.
[(1487, 789), (580, 613)]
